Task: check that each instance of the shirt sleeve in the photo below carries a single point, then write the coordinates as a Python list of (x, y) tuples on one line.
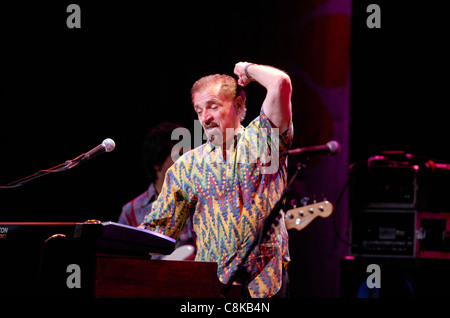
[(171, 210), (269, 141), (285, 137), (125, 216)]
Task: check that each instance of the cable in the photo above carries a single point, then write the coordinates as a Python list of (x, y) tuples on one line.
[(41, 278), (338, 200)]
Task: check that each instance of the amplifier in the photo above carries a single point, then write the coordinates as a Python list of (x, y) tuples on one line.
[(400, 181), (400, 233), (383, 233), (382, 183), (388, 196)]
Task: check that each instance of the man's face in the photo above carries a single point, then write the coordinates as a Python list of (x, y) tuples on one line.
[(216, 113)]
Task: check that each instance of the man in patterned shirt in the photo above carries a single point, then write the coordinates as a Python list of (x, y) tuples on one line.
[(231, 183)]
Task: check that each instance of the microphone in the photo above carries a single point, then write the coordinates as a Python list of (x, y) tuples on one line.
[(331, 147), (106, 146)]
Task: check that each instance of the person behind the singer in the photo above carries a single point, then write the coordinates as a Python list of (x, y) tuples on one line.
[(227, 196), (157, 158)]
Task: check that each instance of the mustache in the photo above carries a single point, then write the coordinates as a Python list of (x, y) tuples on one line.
[(210, 125)]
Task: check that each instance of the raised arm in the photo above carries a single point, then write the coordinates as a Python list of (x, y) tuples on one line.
[(277, 104)]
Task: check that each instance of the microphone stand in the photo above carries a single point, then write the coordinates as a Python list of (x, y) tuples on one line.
[(61, 167), (241, 272)]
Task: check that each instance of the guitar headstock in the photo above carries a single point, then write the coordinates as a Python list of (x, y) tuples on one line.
[(299, 218)]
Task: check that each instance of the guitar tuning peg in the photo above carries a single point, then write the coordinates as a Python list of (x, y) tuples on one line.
[(304, 201), (324, 195), (314, 199)]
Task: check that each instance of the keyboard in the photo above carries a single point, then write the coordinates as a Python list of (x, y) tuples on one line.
[(108, 236)]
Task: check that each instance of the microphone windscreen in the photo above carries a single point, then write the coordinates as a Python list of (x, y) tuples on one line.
[(334, 146), (109, 144)]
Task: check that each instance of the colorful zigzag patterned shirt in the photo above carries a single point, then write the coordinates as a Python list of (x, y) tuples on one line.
[(228, 201)]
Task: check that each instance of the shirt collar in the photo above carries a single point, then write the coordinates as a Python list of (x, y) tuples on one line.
[(151, 194), (237, 135)]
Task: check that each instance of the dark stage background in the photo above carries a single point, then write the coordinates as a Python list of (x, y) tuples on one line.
[(131, 65)]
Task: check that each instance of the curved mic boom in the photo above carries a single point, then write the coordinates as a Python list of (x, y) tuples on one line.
[(331, 147)]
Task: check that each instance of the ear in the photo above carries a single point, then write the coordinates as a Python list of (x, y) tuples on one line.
[(238, 104)]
